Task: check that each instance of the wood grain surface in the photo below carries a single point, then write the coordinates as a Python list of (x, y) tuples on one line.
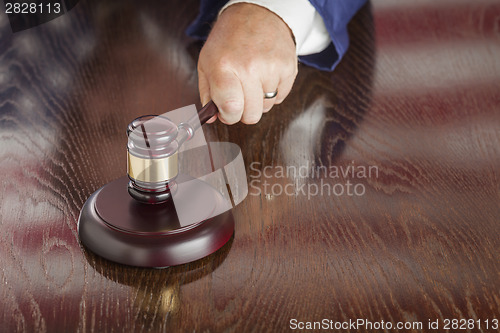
[(416, 98)]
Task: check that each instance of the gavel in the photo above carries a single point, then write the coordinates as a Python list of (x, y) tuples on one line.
[(152, 153), (169, 218)]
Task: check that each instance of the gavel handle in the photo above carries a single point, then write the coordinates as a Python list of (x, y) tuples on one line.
[(207, 112), (187, 129)]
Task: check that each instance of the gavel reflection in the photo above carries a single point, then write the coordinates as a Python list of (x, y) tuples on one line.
[(158, 293), (152, 153)]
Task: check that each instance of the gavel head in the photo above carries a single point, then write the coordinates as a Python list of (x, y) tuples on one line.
[(152, 159)]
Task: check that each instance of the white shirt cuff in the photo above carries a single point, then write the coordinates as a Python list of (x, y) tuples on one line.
[(303, 20)]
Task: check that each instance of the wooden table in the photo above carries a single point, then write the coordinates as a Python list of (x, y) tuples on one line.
[(416, 99)]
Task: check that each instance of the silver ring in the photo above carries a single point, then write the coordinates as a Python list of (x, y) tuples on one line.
[(269, 95)]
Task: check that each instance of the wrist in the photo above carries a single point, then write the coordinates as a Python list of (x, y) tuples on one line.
[(260, 15)]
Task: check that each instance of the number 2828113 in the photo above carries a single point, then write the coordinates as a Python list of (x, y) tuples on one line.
[(32, 8)]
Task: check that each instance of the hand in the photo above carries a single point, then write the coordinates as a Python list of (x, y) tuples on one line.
[(249, 51)]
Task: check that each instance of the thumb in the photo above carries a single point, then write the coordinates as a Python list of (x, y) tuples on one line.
[(204, 89), (227, 93)]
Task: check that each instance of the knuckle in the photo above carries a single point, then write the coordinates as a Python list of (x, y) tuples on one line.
[(232, 106), (224, 63), (251, 119), (228, 120)]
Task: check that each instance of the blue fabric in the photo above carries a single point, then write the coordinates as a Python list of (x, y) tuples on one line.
[(335, 13), (209, 9)]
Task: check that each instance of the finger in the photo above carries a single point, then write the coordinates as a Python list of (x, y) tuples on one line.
[(227, 93), (287, 79), (269, 103), (284, 89), (204, 92), (269, 87), (254, 102), (203, 88)]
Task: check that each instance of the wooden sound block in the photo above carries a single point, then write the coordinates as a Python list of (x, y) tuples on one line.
[(115, 226)]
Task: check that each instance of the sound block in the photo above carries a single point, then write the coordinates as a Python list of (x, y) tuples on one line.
[(115, 226)]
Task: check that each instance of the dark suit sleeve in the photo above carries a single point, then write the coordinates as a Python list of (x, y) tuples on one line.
[(335, 13)]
